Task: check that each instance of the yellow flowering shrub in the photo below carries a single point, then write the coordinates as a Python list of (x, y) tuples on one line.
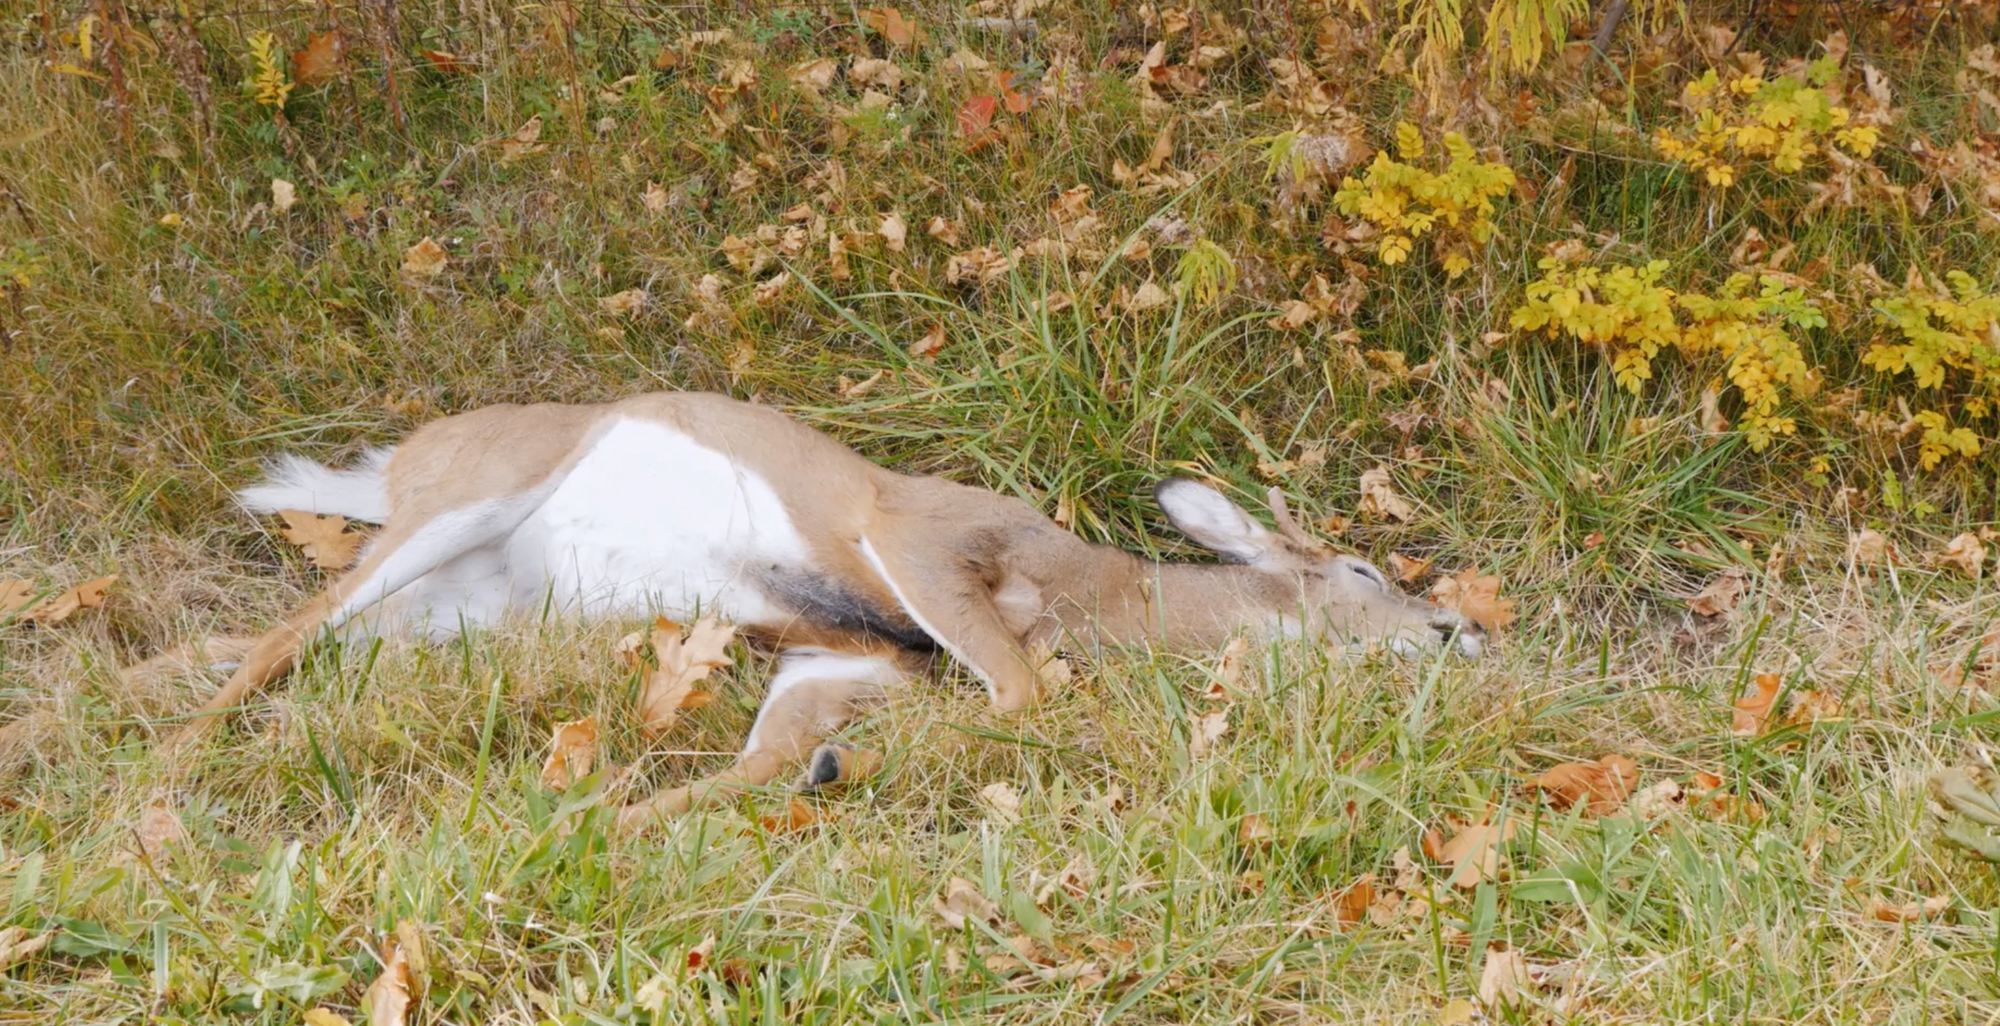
[(1782, 122), (1406, 201), (1624, 310), (1947, 340)]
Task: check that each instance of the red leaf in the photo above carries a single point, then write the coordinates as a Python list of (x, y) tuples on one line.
[(975, 119)]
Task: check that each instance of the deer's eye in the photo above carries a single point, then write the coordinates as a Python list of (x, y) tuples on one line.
[(1369, 573)]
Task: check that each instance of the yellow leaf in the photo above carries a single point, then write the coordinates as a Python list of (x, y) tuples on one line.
[(426, 259), (171, 220), (1003, 803), (324, 1016), (572, 753), (1722, 594), (322, 538), (654, 199), (1504, 980)]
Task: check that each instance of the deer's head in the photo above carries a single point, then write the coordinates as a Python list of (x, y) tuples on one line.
[(1340, 597)]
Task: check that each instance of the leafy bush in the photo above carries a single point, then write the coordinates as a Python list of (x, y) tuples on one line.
[(1406, 202), (1781, 121)]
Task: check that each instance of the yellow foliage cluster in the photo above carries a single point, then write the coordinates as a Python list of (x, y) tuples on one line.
[(1748, 325), (1948, 341), (268, 83), (1405, 202), (1782, 121)]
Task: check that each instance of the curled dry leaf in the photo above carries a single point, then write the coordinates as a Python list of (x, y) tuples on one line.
[(981, 266), (323, 539), (619, 304), (17, 946), (1601, 787), (388, 997), (896, 27), (942, 230), (962, 903), (1205, 730), (654, 199), (1751, 714), (1351, 905), (522, 142), (1964, 552), (1149, 296), (701, 956), (814, 75), (931, 344), (1229, 670), (426, 259), (1379, 498), (1904, 912), (572, 753), (679, 663), (1475, 597), (873, 71), (895, 233), (1722, 595)]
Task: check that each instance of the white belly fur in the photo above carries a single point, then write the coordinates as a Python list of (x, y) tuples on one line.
[(646, 522)]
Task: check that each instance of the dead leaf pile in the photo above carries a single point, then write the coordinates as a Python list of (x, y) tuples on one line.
[(678, 663)]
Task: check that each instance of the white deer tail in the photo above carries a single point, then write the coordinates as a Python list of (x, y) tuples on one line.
[(294, 482)]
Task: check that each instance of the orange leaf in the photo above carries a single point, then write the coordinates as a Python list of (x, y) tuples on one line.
[(678, 664), (893, 25), (1477, 597), (796, 817), (1350, 906), (56, 608), (322, 538), (319, 61), (1601, 786), (1753, 712)]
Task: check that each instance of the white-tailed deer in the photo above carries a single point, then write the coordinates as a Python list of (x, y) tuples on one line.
[(856, 575)]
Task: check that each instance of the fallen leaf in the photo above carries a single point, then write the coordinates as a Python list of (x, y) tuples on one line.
[(1752, 713), (699, 956), (1409, 570), (1207, 728), (1712, 420), (572, 753), (1475, 597), (1002, 802), (849, 388), (323, 538), (874, 71), (796, 817), (445, 62), (1458, 1012), (1229, 669), (1722, 595), (1504, 981), (1869, 547), (1379, 498), (654, 199), (1706, 793), (14, 595), (388, 997), (1602, 786), (975, 120), (16, 946), (814, 75), (426, 259), (1253, 833), (1658, 800), (319, 61), (1810, 706), (983, 265), (931, 344), (1906, 912), (961, 903), (283, 195), (1966, 553), (942, 230), (771, 289), (1351, 905), (1295, 313), (1148, 296), (894, 231), (621, 303), (678, 664), (159, 829), (894, 26), (1473, 853), (522, 142)]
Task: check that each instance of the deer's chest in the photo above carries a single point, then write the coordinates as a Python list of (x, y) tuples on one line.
[(651, 521)]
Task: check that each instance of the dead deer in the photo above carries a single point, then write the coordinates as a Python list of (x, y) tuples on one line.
[(855, 575)]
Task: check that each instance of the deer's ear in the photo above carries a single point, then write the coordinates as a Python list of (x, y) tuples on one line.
[(1212, 521)]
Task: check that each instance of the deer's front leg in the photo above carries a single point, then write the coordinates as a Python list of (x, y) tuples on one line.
[(813, 694)]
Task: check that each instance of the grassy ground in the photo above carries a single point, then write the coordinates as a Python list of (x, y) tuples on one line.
[(173, 329)]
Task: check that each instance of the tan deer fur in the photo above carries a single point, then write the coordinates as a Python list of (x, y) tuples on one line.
[(856, 575)]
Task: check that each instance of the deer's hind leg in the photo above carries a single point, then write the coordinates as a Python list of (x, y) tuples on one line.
[(813, 694), (398, 557)]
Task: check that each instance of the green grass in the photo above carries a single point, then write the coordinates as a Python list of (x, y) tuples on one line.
[(148, 367)]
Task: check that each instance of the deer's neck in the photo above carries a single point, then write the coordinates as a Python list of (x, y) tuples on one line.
[(1115, 599)]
